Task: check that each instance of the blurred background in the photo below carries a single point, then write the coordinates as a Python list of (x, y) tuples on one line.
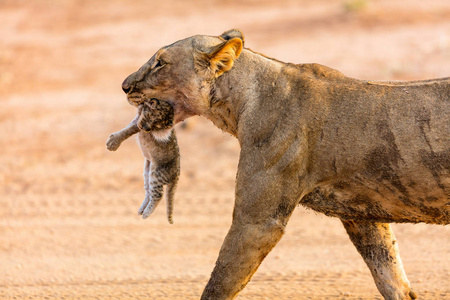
[(68, 208)]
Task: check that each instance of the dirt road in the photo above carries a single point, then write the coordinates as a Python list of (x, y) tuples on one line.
[(68, 219)]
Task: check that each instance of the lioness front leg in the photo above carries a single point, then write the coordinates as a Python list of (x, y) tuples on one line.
[(116, 138), (264, 202), (244, 248), (377, 245)]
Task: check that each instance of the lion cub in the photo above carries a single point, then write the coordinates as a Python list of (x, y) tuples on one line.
[(159, 146)]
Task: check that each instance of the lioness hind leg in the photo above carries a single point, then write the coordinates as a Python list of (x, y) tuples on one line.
[(377, 245)]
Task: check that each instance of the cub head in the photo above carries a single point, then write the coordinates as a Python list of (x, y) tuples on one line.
[(155, 115), (181, 73)]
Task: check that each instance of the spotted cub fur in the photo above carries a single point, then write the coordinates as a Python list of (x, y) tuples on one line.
[(153, 123)]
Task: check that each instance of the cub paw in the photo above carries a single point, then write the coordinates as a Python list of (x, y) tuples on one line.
[(143, 205), (113, 143)]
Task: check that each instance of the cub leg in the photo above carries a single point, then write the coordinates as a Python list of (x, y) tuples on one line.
[(146, 186), (156, 192), (116, 138), (377, 245)]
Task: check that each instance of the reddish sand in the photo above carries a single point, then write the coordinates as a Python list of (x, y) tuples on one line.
[(69, 225)]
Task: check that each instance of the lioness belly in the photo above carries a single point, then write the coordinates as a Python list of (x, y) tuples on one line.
[(360, 198)]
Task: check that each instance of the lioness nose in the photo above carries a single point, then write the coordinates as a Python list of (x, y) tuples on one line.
[(126, 87)]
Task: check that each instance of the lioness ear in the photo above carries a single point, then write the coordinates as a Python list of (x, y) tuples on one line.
[(220, 58), (233, 33)]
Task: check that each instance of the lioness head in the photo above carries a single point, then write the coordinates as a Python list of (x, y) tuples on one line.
[(181, 73)]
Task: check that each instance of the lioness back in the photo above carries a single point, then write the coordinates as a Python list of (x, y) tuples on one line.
[(382, 151)]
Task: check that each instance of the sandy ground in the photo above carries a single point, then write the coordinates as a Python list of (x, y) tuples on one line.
[(68, 219)]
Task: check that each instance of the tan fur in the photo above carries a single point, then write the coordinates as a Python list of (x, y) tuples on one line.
[(369, 153)]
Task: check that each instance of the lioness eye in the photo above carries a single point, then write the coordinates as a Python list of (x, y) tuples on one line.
[(159, 63)]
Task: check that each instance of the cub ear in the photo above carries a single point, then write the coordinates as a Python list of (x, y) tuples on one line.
[(233, 33), (153, 103), (220, 58)]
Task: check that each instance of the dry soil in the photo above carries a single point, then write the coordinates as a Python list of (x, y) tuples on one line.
[(69, 227)]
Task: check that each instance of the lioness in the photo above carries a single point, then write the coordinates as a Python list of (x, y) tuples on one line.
[(369, 153)]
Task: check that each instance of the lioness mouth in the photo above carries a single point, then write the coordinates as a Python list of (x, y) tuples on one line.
[(135, 100)]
